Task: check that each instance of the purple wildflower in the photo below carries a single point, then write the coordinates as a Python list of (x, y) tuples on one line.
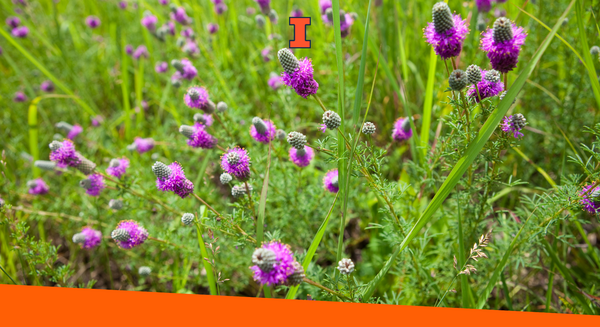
[(163, 2), (298, 74), (123, 5), (275, 81), (483, 5), (198, 136), (13, 22), (129, 49), (161, 67), (262, 131), (448, 36), (20, 32), (212, 28), (170, 27), (488, 86), (591, 200), (514, 124), (143, 145), (92, 21), (220, 8), (282, 268), (130, 234), (47, 86), (191, 48), (346, 21), (96, 121), (296, 13), (189, 71), (324, 5), (187, 33), (76, 130), (118, 167), (402, 130), (265, 6), (196, 97), (64, 153), (149, 22), (88, 238), (236, 162), (180, 16), (172, 178), (20, 97), (266, 53), (330, 181), (37, 187), (503, 44), (205, 119), (301, 159), (140, 51), (94, 184)]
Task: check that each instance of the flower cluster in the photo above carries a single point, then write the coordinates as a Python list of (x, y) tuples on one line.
[(118, 167), (172, 178), (447, 31), (274, 264), (590, 199), (37, 187), (297, 74), (129, 234), (236, 162), (330, 181), (88, 238), (197, 136), (503, 44)]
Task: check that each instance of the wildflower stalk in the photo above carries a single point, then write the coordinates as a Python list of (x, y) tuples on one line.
[(328, 290), (207, 266), (250, 199), (7, 275)]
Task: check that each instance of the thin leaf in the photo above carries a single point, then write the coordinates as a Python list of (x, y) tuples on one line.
[(207, 266), (428, 104), (587, 55)]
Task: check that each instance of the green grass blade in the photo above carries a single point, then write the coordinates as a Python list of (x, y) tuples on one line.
[(586, 54), (263, 202), (361, 71), (209, 271), (33, 134), (45, 71), (125, 88), (313, 247), (471, 153), (464, 279), (428, 104)]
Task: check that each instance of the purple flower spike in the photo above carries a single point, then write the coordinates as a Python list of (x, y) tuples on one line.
[(93, 184), (123, 5), (514, 124), (266, 53), (129, 49), (20, 97), (96, 121), (198, 136), (149, 22), (591, 200), (274, 263), (92, 21), (13, 22), (503, 44), (37, 187), (330, 181), (140, 51), (129, 234), (447, 32), (20, 32), (76, 130), (346, 21), (236, 162), (265, 6), (262, 131), (212, 28), (64, 153), (489, 86), (324, 5), (172, 178), (220, 8), (296, 13), (163, 2), (196, 97), (188, 71), (143, 145), (118, 167), (161, 67), (47, 86), (180, 16), (483, 5), (297, 74), (275, 81), (170, 27), (302, 158), (88, 238), (402, 130)]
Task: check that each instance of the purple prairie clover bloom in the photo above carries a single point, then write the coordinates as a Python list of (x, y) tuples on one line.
[(129, 49), (92, 21), (346, 21), (265, 6), (402, 130), (205, 119), (141, 51), (76, 130), (266, 53), (92, 238), (191, 48), (330, 181), (13, 22), (503, 52), (187, 33), (135, 234), (123, 4), (302, 159), (118, 167), (263, 131), (65, 154), (296, 13), (212, 28), (143, 145), (96, 121), (514, 124), (20, 32), (483, 5), (47, 86), (220, 8), (96, 185), (487, 88), (282, 268), (20, 97), (163, 2), (189, 71), (301, 80), (324, 5), (323, 128), (37, 187), (170, 28), (447, 44), (236, 162), (591, 200), (149, 22), (200, 138), (161, 67), (180, 16), (275, 81), (196, 97), (175, 181)]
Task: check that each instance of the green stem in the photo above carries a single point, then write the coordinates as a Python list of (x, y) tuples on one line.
[(209, 271)]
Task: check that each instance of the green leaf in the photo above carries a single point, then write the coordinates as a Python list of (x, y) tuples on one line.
[(210, 276), (586, 54), (471, 153), (428, 104)]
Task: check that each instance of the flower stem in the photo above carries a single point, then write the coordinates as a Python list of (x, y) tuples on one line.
[(207, 266), (313, 283)]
